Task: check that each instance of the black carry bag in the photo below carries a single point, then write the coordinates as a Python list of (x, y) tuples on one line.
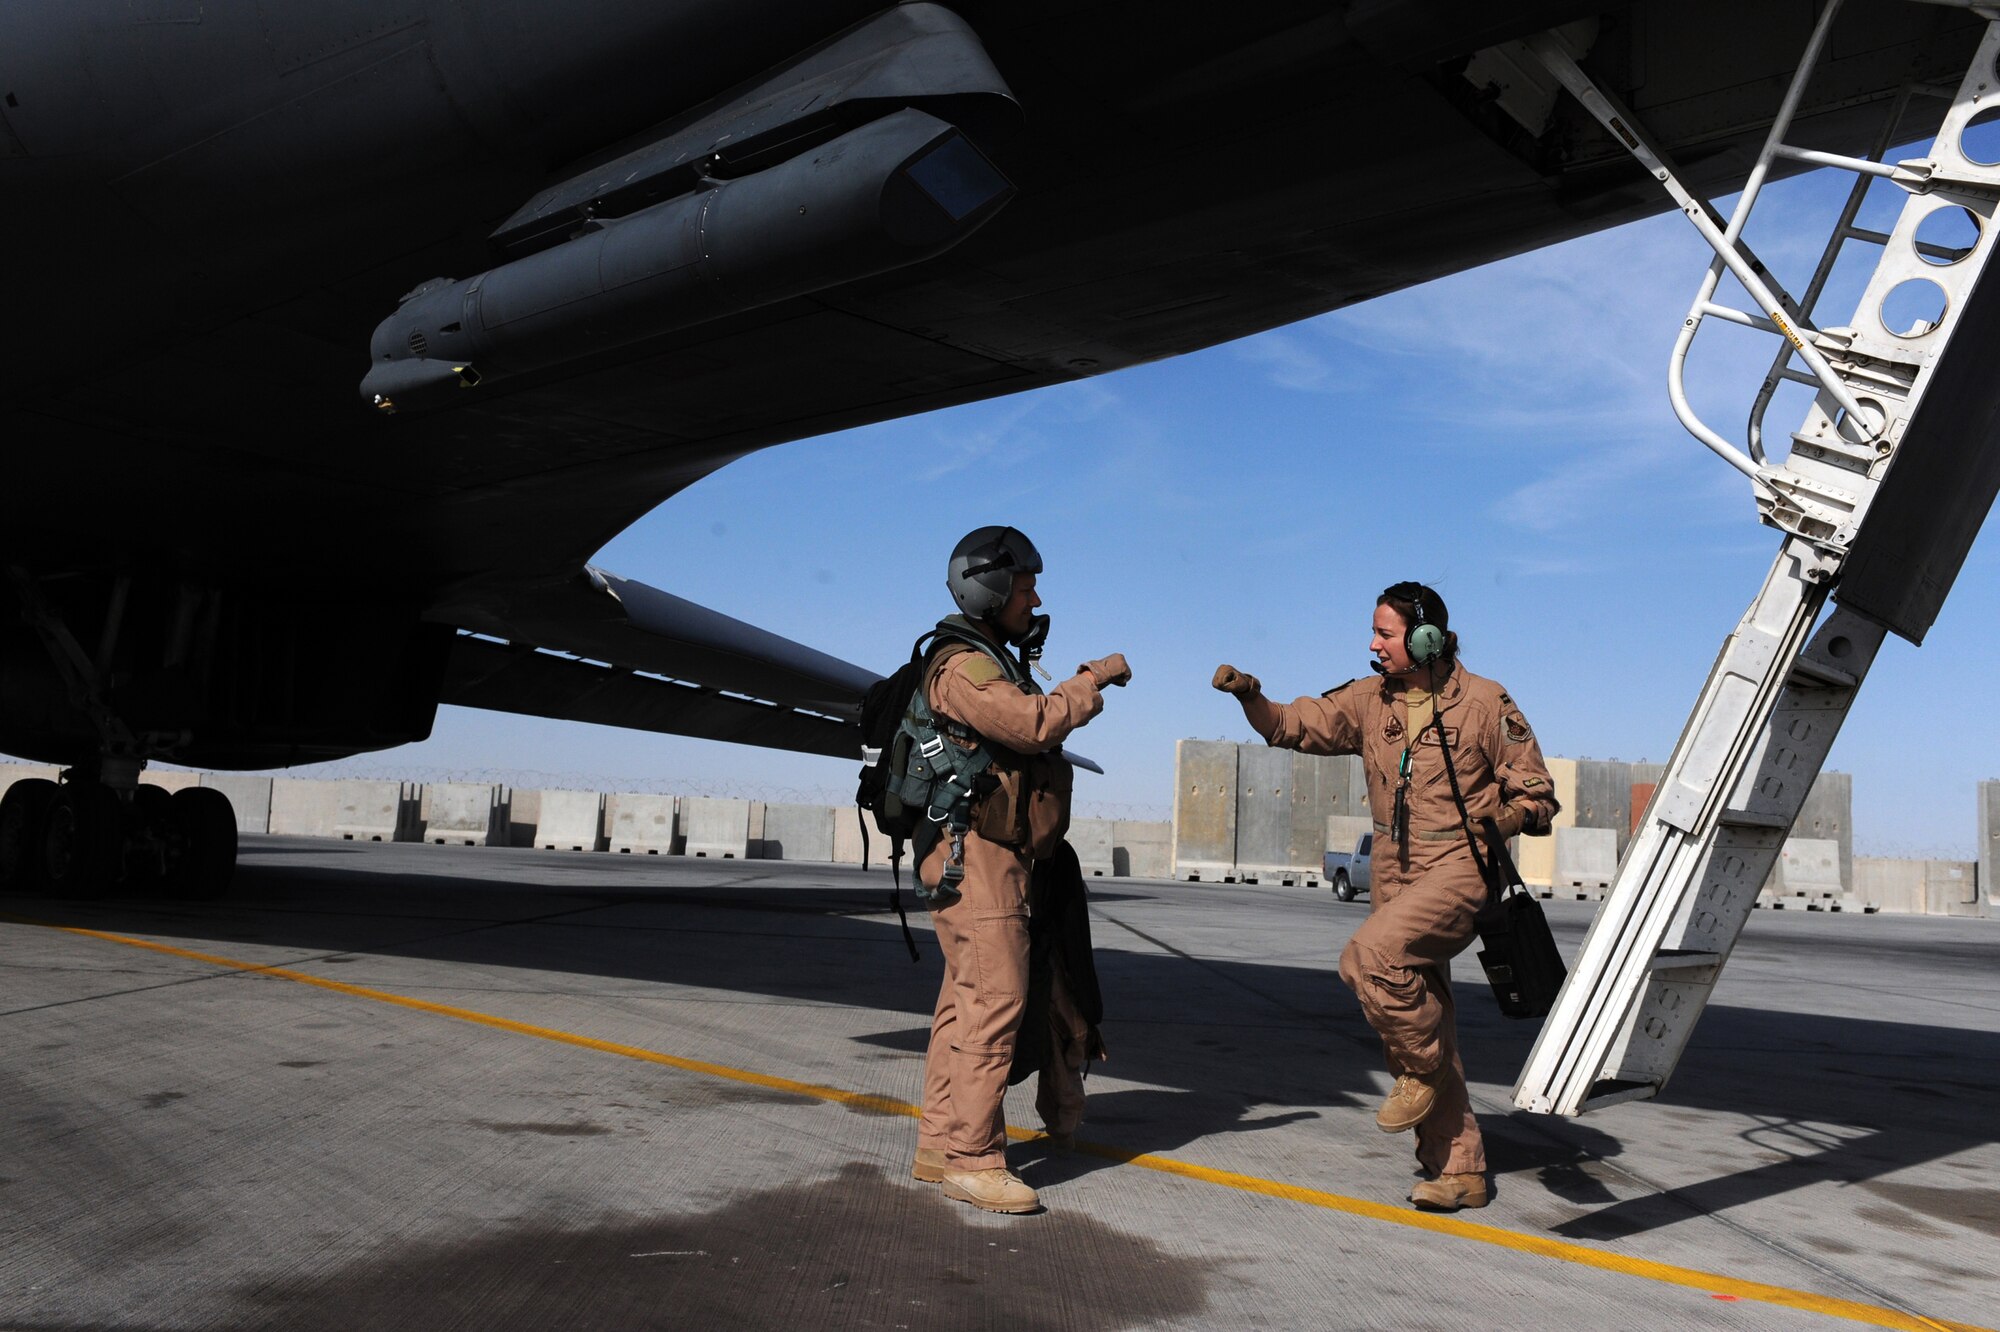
[(1521, 960), (1520, 957)]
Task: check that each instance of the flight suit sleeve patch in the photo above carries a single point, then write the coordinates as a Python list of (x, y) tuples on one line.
[(1517, 729), (980, 669), (1531, 783)]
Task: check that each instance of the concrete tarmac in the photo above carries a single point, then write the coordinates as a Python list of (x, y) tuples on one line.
[(408, 1086)]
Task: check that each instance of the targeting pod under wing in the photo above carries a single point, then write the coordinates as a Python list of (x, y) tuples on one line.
[(887, 194)]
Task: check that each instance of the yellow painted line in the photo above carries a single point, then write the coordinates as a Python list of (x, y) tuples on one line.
[(1710, 1283)]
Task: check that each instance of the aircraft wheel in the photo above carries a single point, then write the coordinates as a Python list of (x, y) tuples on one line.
[(23, 811), (1342, 889), (206, 824), (83, 840)]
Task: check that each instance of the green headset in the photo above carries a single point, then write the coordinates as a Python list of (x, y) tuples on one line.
[(1423, 640)]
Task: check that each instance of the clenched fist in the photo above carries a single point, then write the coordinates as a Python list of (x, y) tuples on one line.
[(1108, 671), (1232, 681)]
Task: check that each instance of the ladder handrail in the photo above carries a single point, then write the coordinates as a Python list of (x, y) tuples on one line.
[(1844, 230), (1703, 304), (1726, 244), (1725, 241)]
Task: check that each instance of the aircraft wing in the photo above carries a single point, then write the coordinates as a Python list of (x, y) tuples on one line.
[(324, 321), (605, 649)]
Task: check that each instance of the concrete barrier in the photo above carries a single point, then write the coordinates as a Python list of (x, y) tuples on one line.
[(462, 814), (1586, 862), (168, 780), (847, 841), (1951, 888), (1205, 809), (356, 811), (1141, 850), (1914, 887), (374, 811), (1604, 798), (1805, 874), (1263, 813), (797, 832), (1645, 781), (1343, 779), (641, 825), (572, 821), (1885, 884), (1988, 797), (301, 807), (1343, 831), (715, 829), (521, 815), (250, 797), (1536, 856), (1323, 787), (1828, 815), (1093, 840)]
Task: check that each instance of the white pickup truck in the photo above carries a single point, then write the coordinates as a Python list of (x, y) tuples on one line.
[(1347, 871)]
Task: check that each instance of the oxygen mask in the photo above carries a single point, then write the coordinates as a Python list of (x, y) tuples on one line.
[(1032, 641)]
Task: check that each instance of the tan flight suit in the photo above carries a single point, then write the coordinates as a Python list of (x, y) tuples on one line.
[(1425, 894), (984, 934)]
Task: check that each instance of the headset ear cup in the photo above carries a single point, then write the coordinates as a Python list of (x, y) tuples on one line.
[(1425, 642)]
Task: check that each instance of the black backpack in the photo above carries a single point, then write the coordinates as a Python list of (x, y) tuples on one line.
[(885, 767), (882, 709)]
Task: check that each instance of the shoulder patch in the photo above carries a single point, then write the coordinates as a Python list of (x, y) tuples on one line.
[(1517, 728), (980, 668)]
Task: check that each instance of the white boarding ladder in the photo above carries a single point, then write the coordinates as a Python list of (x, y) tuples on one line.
[(1780, 689)]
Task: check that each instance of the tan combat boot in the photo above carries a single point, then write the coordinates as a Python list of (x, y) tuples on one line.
[(995, 1190), (1448, 1193), (929, 1166), (1407, 1104)]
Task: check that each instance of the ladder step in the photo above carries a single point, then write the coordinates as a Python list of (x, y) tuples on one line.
[(1610, 1091), (1808, 673), (1684, 959), (1750, 818)]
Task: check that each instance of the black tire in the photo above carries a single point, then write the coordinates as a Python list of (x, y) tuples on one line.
[(83, 840), (1342, 888), (23, 812), (206, 844)]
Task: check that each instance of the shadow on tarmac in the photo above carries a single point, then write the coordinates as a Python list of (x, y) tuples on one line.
[(861, 1249), (1219, 1043)]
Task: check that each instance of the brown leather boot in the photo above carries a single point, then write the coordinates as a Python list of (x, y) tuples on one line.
[(1448, 1193), (1407, 1104), (995, 1190), (929, 1166)]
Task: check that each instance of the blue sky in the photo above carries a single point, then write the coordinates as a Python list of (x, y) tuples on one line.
[(1503, 434)]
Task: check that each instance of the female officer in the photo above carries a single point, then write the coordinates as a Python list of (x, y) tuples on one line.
[(1427, 887)]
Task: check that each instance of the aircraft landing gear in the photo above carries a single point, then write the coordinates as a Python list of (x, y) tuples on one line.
[(100, 830), (84, 839)]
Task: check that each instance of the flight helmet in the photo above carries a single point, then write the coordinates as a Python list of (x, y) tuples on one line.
[(983, 565)]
